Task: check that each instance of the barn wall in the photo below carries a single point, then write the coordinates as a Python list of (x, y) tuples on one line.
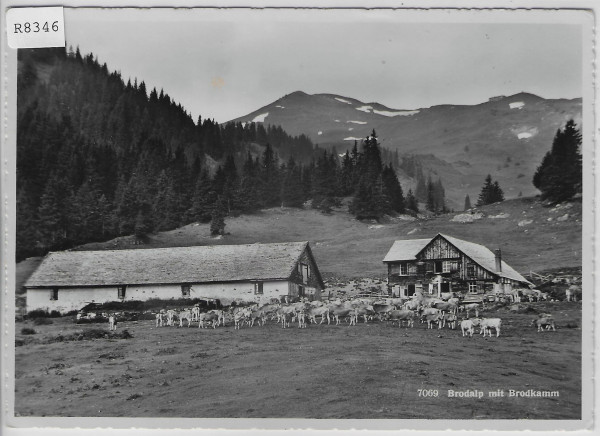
[(74, 298)]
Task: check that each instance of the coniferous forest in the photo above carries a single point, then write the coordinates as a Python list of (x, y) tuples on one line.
[(100, 157)]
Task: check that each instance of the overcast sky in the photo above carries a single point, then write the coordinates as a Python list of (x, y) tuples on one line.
[(224, 64)]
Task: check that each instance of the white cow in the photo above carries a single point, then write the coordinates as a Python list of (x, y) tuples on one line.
[(185, 315), (112, 322), (487, 324), (467, 328)]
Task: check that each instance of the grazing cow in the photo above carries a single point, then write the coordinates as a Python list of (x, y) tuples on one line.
[(112, 322), (471, 306), (220, 316), (160, 319), (446, 295), (206, 318), (171, 317), (340, 311), (185, 315), (301, 319), (426, 311), (381, 309), (400, 316), (240, 316), (544, 322), (433, 318), (323, 312), (195, 312), (466, 326), (446, 307), (364, 311), (573, 292), (450, 319), (286, 318), (487, 324), (412, 305)]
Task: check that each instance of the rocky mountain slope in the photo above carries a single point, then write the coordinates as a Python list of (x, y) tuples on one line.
[(505, 136)]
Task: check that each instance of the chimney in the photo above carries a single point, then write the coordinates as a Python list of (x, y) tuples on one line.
[(498, 255)]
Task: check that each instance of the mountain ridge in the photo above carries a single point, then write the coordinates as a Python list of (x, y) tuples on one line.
[(505, 136)]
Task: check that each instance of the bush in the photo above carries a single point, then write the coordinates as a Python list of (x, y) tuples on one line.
[(55, 314), (42, 321), (38, 313), (27, 331)]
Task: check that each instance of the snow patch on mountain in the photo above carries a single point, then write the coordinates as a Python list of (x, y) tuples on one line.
[(319, 132), (525, 132), (517, 105), (366, 109), (357, 122), (260, 118), (337, 121), (342, 100), (395, 113), (280, 107), (350, 129), (352, 138)]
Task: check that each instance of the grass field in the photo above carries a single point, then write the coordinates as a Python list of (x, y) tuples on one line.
[(345, 247), (364, 371)]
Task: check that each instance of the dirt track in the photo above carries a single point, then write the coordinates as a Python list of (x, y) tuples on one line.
[(367, 371)]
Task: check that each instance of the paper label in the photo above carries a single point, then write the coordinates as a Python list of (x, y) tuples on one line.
[(35, 27)]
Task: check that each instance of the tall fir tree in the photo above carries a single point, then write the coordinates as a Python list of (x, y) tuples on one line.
[(559, 176), (411, 202), (467, 202), (217, 222), (490, 192)]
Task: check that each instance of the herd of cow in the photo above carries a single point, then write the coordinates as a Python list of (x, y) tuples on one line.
[(429, 310)]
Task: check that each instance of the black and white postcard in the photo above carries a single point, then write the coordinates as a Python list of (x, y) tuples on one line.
[(313, 217)]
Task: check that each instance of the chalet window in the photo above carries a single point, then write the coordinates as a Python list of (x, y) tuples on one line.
[(471, 270), (448, 266), (404, 269), (258, 288), (438, 266), (121, 292), (473, 288), (394, 268), (54, 294), (185, 290)]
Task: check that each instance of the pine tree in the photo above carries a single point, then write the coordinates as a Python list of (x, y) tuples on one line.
[(411, 202), (217, 222), (559, 176), (393, 190), (291, 191), (490, 192), (430, 205), (467, 202)]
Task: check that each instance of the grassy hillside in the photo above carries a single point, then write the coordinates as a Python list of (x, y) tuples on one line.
[(547, 238), (530, 235)]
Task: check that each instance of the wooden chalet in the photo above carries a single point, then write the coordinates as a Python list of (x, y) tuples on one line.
[(68, 280), (447, 264)]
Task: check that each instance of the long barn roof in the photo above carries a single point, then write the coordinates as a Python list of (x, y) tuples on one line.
[(199, 264)]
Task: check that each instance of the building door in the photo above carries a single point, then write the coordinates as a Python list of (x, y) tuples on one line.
[(411, 291), (445, 287)]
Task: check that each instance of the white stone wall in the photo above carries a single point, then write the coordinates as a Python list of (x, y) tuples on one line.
[(75, 298)]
